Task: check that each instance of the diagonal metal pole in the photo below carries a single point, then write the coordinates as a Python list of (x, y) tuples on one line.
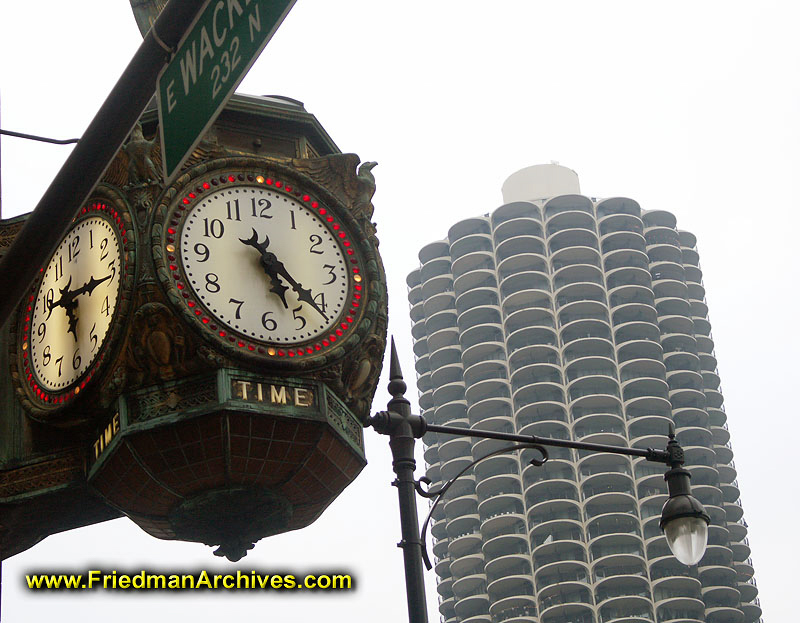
[(48, 223)]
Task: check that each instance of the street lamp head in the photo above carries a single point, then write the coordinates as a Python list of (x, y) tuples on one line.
[(684, 521)]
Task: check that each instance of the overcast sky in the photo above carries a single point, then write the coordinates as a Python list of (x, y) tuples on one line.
[(690, 107)]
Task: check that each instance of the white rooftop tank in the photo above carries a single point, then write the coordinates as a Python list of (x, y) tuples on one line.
[(540, 181)]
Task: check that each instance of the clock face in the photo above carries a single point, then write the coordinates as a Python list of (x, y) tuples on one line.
[(75, 303), (266, 264)]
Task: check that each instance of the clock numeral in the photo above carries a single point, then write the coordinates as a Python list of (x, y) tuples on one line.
[(269, 323), (300, 318), (76, 359), (212, 282), (46, 355), (214, 229), (291, 213), (58, 363), (316, 241), (233, 209), (48, 301), (105, 308), (113, 268), (319, 299), (93, 337), (59, 267), (91, 239), (333, 274), (202, 250), (238, 304), (72, 249), (41, 331), (103, 249), (263, 206)]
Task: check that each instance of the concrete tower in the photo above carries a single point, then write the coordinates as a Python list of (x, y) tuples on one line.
[(569, 317)]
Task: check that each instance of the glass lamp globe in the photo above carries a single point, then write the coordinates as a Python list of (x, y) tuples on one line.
[(685, 525)]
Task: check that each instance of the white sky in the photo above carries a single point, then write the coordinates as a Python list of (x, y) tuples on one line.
[(690, 107)]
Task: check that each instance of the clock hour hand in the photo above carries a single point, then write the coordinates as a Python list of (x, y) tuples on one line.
[(70, 305), (268, 262)]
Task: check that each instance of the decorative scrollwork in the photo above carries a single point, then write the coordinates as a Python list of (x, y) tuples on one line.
[(439, 493)]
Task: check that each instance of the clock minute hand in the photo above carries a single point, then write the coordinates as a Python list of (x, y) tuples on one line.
[(303, 294), (89, 286)]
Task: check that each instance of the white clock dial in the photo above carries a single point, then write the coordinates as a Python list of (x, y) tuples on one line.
[(75, 303), (264, 264)]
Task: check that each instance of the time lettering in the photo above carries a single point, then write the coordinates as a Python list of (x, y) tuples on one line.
[(253, 391)]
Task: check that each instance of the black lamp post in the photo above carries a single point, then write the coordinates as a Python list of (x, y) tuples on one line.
[(683, 518)]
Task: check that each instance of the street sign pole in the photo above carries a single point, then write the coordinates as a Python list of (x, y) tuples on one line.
[(112, 124), (222, 44)]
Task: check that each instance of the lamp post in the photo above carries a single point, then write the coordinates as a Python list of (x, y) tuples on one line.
[(684, 521)]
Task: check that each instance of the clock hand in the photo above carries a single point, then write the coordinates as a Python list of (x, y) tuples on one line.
[(303, 294), (70, 305), (268, 261), (275, 270)]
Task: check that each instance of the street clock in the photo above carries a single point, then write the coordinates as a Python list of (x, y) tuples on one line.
[(75, 312)]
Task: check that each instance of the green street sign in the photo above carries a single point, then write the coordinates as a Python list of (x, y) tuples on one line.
[(212, 59)]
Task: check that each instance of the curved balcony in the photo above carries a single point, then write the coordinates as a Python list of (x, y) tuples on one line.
[(626, 609), (572, 256), (519, 245), (530, 300), (557, 572), (628, 276), (476, 297), (473, 280), (634, 311), (491, 413), (664, 252), (445, 374), (523, 282), (568, 219), (572, 237), (613, 502), (585, 328), (620, 222), (552, 510), (529, 317), (622, 240), (583, 309), (538, 392), (522, 225), (438, 302), (434, 268), (724, 614), (530, 336), (599, 423), (467, 571), (535, 373), (618, 205), (572, 612), (505, 543), (588, 347), (680, 610), (468, 234), (437, 285), (515, 209), (567, 203), (472, 604), (612, 524), (523, 263), (472, 261), (479, 315), (601, 483), (532, 414), (516, 608), (441, 320), (480, 334), (577, 273)]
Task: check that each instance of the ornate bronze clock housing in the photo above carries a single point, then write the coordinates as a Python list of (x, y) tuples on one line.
[(213, 390), (265, 263), (75, 314)]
